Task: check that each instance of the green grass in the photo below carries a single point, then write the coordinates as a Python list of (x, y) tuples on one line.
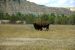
[(56, 32)]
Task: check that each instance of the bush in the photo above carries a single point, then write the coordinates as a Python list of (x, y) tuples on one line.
[(30, 18)]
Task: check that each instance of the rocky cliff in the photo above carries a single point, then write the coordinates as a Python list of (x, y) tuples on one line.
[(23, 6)]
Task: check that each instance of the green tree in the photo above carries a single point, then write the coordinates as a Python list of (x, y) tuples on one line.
[(72, 19), (6, 16), (52, 18), (13, 19), (63, 19), (1, 16), (45, 17), (19, 16), (29, 18)]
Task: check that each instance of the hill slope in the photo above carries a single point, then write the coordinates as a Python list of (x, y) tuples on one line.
[(23, 6)]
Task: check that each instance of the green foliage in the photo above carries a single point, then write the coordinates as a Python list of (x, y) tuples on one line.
[(7, 16), (19, 16), (13, 19), (45, 17), (61, 19), (30, 18), (72, 19), (1, 16), (51, 18)]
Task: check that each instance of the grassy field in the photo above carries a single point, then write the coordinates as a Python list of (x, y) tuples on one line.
[(62, 36), (55, 31)]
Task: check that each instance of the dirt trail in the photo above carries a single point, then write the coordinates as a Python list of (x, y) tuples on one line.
[(38, 41)]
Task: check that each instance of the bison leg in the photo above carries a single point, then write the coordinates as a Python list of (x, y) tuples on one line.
[(47, 27), (40, 29)]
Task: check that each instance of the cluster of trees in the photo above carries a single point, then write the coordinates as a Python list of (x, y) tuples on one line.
[(30, 18), (62, 19), (17, 17)]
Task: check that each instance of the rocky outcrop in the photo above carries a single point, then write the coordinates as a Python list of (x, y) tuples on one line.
[(23, 6)]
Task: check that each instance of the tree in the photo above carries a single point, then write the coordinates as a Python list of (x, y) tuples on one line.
[(29, 18), (63, 19), (1, 16), (72, 19), (45, 17), (6, 16), (13, 19), (52, 18)]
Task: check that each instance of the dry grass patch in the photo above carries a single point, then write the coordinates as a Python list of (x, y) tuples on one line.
[(55, 31)]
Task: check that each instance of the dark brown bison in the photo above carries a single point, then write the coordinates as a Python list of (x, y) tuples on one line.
[(37, 26), (40, 25)]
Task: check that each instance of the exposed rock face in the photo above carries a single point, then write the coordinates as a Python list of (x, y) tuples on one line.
[(23, 6)]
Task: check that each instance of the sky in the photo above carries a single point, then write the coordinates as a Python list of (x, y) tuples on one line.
[(55, 3)]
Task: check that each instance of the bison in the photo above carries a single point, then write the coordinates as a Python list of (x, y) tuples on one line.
[(40, 25), (37, 26)]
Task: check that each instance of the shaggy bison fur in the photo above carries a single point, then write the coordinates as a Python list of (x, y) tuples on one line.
[(41, 26)]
